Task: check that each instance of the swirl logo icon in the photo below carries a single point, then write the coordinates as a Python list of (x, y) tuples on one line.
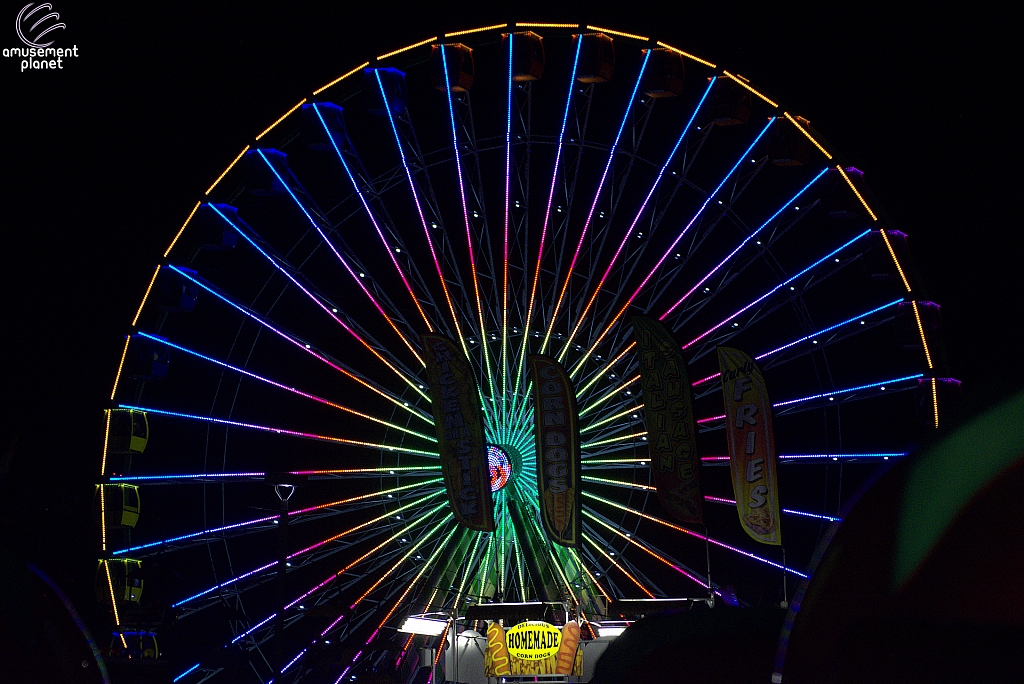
[(35, 23)]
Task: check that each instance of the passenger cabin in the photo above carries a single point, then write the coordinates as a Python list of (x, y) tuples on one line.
[(118, 504), (129, 432)]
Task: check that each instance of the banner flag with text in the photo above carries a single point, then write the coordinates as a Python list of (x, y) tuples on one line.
[(752, 458), (668, 413), (556, 430), (460, 432)]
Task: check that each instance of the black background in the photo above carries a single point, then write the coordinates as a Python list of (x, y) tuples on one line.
[(102, 161)]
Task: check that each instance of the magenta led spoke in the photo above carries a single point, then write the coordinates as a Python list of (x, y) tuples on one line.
[(551, 197), (881, 384), (694, 534), (742, 244), (279, 385), (280, 431), (224, 584), (419, 208), (810, 336), (774, 290), (790, 511), (197, 476), (629, 231), (373, 219), (597, 196), (671, 248), (304, 347), (831, 328), (316, 300)]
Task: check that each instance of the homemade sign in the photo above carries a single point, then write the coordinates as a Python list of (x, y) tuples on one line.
[(533, 648)]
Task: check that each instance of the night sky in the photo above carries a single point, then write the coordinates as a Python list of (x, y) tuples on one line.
[(103, 160)]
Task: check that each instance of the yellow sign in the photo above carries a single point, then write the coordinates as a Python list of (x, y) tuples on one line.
[(533, 648), (532, 640)]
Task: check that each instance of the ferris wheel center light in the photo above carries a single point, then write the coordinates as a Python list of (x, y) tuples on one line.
[(500, 466)]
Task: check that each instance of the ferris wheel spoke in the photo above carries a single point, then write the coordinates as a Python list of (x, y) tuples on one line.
[(261, 576), (564, 202), (323, 302), (357, 619), (777, 233), (607, 371), (219, 587), (475, 184), (594, 463), (373, 219), (409, 586), (651, 550), (334, 474), (503, 365), (615, 388), (280, 431), (768, 294), (292, 390), (547, 218), (297, 342), (557, 557), (600, 545), (517, 247), (702, 226), (601, 572), (202, 536), (823, 399), (268, 522), (322, 227), (629, 231), (485, 573), (380, 560), (713, 499), (370, 554), (470, 561), (867, 322), (671, 248), (617, 190), (537, 536), (785, 511), (456, 153), (423, 220), (702, 231), (597, 196), (629, 437), (742, 244), (619, 483), (691, 533), (631, 410), (519, 563)]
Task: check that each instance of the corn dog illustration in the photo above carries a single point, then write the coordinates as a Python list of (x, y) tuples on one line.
[(498, 651), (566, 656), (558, 504)]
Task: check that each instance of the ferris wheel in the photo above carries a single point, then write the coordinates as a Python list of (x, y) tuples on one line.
[(270, 474)]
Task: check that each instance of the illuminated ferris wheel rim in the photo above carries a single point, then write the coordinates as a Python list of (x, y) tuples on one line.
[(486, 335), (444, 155)]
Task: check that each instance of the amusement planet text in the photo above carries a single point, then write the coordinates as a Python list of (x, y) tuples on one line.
[(51, 58)]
